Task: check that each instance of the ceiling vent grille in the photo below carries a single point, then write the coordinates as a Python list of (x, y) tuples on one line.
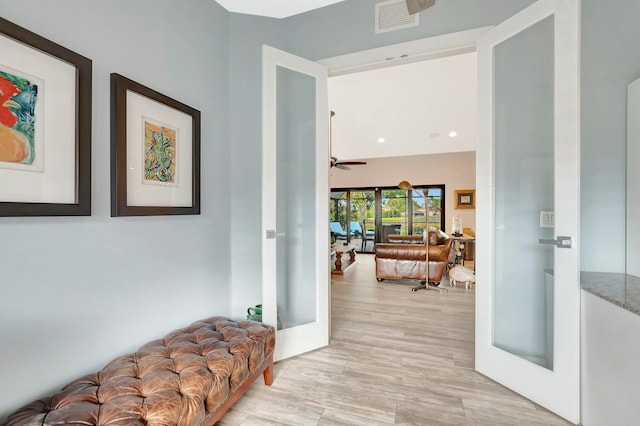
[(393, 15)]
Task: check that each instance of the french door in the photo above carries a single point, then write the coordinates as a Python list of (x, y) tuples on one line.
[(295, 202), (528, 298)]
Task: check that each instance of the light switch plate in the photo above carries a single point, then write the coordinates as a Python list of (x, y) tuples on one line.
[(547, 219)]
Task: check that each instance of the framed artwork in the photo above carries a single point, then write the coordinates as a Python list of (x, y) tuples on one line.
[(155, 152), (465, 198), (45, 126)]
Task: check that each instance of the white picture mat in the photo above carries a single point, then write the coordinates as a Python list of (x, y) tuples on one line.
[(38, 162), (139, 106), (57, 182)]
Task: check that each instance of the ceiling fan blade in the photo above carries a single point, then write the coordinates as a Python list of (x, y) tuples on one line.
[(333, 161), (416, 6), (352, 163)]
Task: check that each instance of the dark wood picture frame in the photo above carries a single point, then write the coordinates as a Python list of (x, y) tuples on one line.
[(120, 86), (82, 125), (465, 198)]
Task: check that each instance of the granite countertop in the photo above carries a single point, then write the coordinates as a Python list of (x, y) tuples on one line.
[(620, 289)]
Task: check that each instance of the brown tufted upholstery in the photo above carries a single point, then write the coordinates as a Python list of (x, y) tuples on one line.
[(190, 377), (406, 257), (405, 239)]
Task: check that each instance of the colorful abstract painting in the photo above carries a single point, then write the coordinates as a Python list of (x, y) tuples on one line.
[(18, 98), (160, 149)]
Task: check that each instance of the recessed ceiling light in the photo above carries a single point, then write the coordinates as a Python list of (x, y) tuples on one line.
[(380, 140), (434, 135), (453, 134)]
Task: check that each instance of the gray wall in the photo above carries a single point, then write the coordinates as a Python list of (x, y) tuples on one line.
[(348, 27), (334, 30), (610, 61), (247, 34), (76, 292)]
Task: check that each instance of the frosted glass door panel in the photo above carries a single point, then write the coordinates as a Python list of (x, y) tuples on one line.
[(524, 187), (296, 198), (527, 211)]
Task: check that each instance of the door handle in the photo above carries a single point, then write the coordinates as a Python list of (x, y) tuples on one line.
[(560, 242), (272, 234)]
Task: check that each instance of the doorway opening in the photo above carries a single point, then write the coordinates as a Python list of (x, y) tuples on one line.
[(411, 117)]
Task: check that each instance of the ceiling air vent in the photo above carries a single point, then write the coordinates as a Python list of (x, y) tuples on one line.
[(393, 15)]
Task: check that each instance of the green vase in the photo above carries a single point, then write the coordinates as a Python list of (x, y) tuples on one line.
[(254, 313)]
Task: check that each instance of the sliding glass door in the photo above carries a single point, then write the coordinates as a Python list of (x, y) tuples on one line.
[(366, 216), (362, 223), (394, 207), (427, 205), (338, 215)]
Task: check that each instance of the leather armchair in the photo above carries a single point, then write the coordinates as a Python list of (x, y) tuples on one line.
[(408, 260), (440, 246)]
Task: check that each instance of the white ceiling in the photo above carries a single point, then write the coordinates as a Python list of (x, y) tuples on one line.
[(413, 107), (274, 8)]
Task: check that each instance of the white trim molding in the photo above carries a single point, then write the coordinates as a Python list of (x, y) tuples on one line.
[(405, 53)]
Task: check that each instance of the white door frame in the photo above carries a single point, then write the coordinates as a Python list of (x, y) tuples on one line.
[(404, 53), (557, 390)]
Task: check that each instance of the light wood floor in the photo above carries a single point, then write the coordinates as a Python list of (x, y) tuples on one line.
[(395, 357)]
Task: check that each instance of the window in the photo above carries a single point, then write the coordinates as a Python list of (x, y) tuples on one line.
[(427, 208), (370, 214)]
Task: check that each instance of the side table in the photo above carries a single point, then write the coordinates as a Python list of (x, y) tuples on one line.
[(339, 250)]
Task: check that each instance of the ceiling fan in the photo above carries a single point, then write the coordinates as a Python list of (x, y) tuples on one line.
[(416, 6), (344, 165)]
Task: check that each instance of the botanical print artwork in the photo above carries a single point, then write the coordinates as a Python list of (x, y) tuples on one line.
[(17, 118), (160, 149)]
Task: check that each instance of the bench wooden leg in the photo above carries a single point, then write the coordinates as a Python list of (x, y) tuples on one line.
[(267, 374)]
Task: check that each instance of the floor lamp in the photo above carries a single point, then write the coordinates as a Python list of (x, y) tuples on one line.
[(408, 187), (427, 284)]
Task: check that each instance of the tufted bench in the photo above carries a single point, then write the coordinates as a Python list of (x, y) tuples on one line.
[(190, 377)]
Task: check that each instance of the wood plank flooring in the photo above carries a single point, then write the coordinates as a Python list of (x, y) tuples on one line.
[(396, 357)]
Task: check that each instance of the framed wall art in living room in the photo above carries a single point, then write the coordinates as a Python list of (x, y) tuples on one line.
[(465, 198), (45, 126), (155, 152)]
